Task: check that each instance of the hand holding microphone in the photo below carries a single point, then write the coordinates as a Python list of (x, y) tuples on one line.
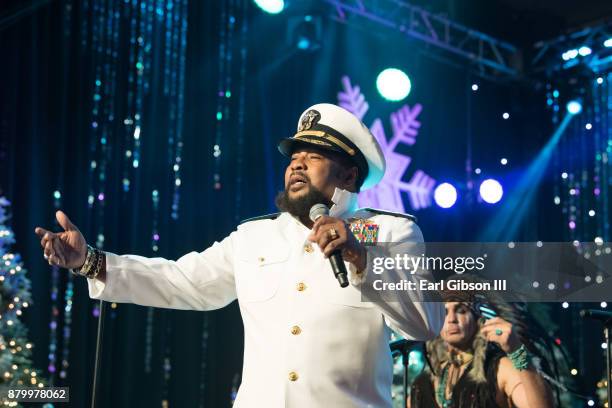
[(336, 242)]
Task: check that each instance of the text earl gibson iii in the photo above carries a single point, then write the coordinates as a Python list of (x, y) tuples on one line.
[(450, 284)]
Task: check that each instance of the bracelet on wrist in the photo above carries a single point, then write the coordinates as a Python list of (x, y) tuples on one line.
[(520, 358), (93, 263)]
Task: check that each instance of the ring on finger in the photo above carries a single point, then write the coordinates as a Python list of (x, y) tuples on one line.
[(332, 233), (46, 257), (498, 332)]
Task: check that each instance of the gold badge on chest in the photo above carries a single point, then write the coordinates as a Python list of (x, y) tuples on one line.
[(365, 231)]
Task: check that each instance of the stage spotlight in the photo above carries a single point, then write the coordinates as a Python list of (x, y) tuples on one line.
[(574, 107), (304, 33), (570, 54), (491, 191), (271, 6), (608, 43), (303, 43), (445, 195), (584, 51), (393, 84)]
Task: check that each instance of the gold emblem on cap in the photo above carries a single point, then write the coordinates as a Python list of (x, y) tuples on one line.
[(309, 119)]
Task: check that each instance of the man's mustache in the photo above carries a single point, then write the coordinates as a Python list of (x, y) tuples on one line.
[(297, 174)]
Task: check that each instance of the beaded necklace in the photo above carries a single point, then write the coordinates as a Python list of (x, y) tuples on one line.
[(459, 360)]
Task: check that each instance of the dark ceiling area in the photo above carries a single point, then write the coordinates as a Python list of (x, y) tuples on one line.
[(522, 22)]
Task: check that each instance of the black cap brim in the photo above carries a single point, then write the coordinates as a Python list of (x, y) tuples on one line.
[(289, 145)]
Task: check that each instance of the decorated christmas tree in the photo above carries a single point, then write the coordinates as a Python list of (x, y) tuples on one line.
[(15, 350)]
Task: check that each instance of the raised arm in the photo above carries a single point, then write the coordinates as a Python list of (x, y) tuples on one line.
[(408, 312), (197, 281)]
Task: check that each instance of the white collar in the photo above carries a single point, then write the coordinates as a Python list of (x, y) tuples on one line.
[(345, 203)]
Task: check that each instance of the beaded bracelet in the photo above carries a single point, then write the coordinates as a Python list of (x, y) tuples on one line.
[(521, 358), (93, 264)]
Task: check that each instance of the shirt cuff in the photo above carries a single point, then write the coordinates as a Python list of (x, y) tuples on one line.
[(97, 288)]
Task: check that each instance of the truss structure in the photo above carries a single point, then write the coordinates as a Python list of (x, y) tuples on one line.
[(490, 57), (548, 54)]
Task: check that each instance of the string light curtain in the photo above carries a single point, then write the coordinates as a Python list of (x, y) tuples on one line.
[(582, 168)]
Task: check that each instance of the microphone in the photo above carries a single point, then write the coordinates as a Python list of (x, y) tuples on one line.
[(604, 317), (335, 259)]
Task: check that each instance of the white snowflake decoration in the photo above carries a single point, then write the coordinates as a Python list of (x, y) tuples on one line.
[(387, 194)]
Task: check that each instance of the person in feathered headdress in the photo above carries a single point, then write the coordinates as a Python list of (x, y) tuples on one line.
[(481, 358)]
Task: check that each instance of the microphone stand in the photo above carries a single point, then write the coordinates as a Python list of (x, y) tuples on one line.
[(607, 329), (403, 347), (98, 360)]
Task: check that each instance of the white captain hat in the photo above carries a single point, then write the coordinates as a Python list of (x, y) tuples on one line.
[(334, 128)]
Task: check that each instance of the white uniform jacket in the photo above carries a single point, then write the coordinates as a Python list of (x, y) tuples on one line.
[(308, 342)]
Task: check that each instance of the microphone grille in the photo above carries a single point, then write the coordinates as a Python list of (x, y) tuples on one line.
[(318, 210)]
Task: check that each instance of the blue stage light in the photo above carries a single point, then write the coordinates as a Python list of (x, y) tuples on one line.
[(608, 43), (445, 195), (303, 43), (271, 6), (393, 84), (574, 107), (584, 51), (491, 191)]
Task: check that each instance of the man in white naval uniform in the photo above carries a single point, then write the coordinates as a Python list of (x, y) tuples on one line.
[(308, 342)]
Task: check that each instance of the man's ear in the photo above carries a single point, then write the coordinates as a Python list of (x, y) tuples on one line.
[(350, 179)]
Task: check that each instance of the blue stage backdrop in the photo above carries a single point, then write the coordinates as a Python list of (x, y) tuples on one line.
[(153, 124)]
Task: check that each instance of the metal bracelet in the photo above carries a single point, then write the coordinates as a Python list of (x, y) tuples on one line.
[(87, 264), (97, 265)]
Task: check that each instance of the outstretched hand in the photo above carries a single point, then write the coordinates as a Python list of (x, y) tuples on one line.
[(66, 249)]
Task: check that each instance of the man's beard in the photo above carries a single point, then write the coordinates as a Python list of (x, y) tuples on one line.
[(300, 206)]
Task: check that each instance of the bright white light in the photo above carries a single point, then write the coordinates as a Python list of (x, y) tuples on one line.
[(477, 171), (506, 115), (474, 87), (568, 55), (491, 191), (591, 213), (608, 43), (588, 126), (564, 175), (393, 84), (445, 195), (574, 107), (604, 346), (271, 6), (504, 161), (591, 403), (584, 51), (565, 305), (603, 305)]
